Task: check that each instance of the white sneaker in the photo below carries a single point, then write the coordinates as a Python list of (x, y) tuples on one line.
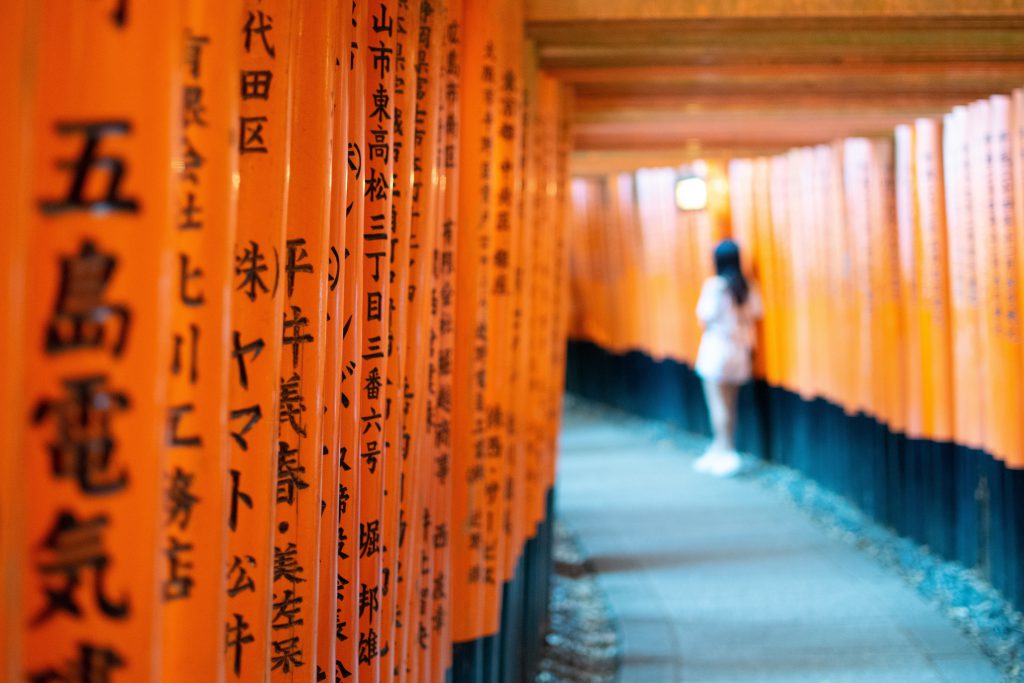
[(705, 462), (726, 464)]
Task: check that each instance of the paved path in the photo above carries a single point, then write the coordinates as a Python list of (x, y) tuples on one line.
[(720, 580)]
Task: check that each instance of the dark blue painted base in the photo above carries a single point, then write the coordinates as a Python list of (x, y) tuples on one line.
[(960, 502), (512, 655)]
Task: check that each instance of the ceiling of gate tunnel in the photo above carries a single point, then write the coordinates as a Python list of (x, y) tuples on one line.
[(657, 82)]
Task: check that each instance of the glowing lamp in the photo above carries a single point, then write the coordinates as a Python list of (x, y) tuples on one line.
[(691, 193)]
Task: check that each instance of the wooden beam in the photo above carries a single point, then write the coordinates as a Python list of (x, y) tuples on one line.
[(673, 74), (618, 10), (666, 46)]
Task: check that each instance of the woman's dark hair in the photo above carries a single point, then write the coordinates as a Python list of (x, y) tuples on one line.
[(727, 265)]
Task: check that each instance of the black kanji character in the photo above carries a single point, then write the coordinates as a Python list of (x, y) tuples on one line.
[(180, 499), (192, 161), (342, 542), (287, 655), (237, 495), (250, 136), (84, 444), (194, 52), (88, 160), (193, 356), (286, 610), (185, 274), (377, 185), (292, 403), (294, 262), (369, 599), (193, 109), (80, 315), (262, 28), (295, 333), (369, 538), (370, 454), (76, 545), (179, 579), (254, 414), (372, 386), (383, 23), (373, 348), (382, 62), (239, 351), (251, 265), (367, 646), (289, 474), (237, 637), (256, 84), (175, 414), (239, 580)]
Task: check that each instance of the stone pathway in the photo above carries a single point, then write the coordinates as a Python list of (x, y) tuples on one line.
[(720, 580)]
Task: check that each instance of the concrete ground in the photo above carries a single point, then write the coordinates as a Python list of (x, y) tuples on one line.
[(721, 580)]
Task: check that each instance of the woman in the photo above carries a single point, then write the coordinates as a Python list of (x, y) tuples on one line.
[(728, 309)]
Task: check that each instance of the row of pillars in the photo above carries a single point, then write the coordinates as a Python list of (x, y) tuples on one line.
[(284, 291)]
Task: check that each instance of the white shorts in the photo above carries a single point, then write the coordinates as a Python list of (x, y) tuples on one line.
[(721, 360)]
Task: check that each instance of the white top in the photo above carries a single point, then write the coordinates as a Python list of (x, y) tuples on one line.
[(729, 332)]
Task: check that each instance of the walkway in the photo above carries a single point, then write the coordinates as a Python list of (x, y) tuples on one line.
[(719, 580)]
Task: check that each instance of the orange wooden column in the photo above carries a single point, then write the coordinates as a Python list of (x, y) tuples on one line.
[(906, 222), (20, 33), (556, 393), (766, 270), (349, 492), (963, 281), (887, 328), (335, 488), (107, 124), (540, 316), (420, 339), (474, 219), (304, 278), (378, 33), (194, 537), (499, 451), (436, 613), (856, 178), (887, 332), (263, 139), (1005, 400), (395, 514), (520, 426), (933, 306), (1015, 458)]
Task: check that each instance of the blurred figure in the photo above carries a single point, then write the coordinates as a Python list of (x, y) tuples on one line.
[(728, 309)]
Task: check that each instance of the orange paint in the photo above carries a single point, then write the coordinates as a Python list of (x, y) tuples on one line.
[(420, 338), (20, 31), (469, 401), (395, 513), (107, 99), (933, 309), (194, 536), (299, 455), (377, 154), (435, 614), (1005, 402), (263, 138), (347, 597)]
